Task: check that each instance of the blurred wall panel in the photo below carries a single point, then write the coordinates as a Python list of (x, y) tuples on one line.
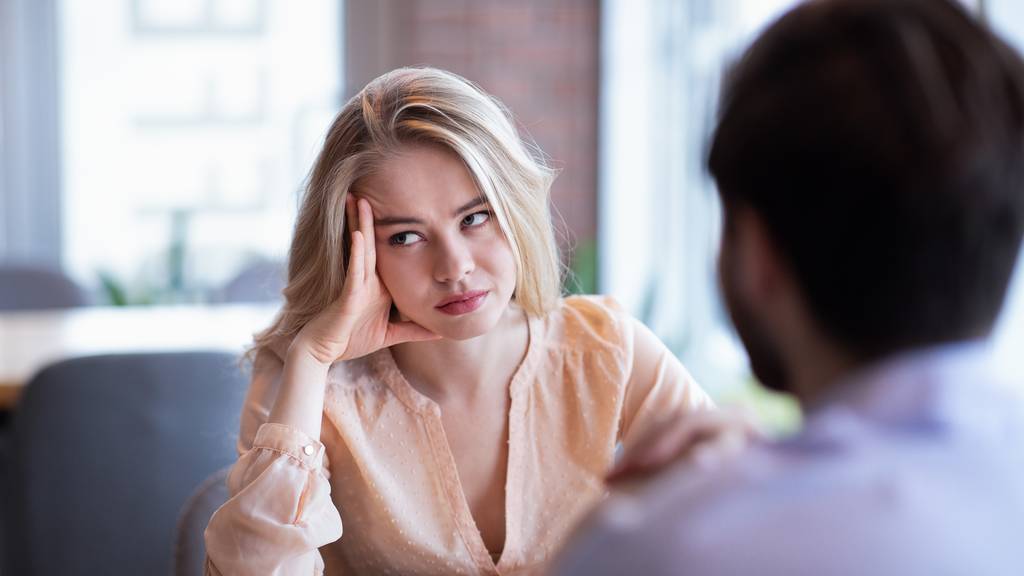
[(30, 209), (540, 57)]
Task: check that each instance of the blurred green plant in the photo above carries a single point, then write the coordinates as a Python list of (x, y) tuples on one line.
[(116, 293), (779, 414), (174, 290), (581, 277)]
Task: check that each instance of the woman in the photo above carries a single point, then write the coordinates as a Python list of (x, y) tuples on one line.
[(425, 382)]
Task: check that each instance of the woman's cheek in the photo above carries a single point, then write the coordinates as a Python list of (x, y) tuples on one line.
[(398, 276), (386, 273)]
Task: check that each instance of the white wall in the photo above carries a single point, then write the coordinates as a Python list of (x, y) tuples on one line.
[(1007, 16)]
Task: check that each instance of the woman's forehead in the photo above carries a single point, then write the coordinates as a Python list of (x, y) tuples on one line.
[(419, 177)]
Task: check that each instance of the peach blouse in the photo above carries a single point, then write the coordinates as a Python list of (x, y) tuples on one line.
[(382, 462)]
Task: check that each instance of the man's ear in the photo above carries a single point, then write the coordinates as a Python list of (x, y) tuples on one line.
[(763, 272)]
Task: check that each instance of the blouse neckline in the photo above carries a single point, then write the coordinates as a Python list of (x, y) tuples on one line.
[(387, 370)]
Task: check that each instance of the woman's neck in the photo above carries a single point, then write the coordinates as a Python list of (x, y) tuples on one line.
[(446, 370)]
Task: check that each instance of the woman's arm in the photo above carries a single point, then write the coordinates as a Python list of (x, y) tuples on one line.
[(659, 387), (280, 511), (301, 403), (667, 416)]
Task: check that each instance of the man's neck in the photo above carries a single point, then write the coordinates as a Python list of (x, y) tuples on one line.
[(816, 365)]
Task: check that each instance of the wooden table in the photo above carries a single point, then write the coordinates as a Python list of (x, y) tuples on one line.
[(31, 340)]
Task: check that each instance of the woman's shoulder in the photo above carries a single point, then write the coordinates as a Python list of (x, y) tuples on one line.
[(589, 320)]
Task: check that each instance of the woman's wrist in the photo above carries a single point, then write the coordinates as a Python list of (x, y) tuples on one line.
[(299, 402), (304, 350)]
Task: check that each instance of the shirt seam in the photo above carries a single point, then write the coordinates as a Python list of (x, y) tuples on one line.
[(302, 501), (305, 465), (453, 504)]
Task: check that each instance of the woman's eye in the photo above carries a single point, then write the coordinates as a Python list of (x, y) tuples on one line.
[(476, 219), (405, 239)]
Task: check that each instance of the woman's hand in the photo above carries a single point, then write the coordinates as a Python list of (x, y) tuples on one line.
[(358, 322), (705, 438)]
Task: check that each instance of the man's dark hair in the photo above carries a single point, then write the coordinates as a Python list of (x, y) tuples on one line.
[(882, 143)]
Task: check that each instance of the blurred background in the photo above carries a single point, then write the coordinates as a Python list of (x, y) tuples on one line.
[(152, 157), (154, 151)]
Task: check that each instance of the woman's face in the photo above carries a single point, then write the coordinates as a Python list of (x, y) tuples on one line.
[(440, 251)]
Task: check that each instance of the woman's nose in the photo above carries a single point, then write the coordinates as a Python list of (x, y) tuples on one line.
[(453, 262)]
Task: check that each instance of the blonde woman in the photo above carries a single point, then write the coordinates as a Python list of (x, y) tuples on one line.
[(425, 383)]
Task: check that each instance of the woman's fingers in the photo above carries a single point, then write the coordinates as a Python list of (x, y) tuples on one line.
[(703, 438), (351, 227), (351, 219), (722, 448), (399, 332), (356, 262), (658, 445), (366, 227)]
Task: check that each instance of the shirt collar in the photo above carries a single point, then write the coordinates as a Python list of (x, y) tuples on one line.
[(951, 384)]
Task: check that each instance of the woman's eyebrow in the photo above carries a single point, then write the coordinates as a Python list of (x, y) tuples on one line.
[(479, 201), (397, 220)]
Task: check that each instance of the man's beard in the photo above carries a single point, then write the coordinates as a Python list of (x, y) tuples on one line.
[(765, 357)]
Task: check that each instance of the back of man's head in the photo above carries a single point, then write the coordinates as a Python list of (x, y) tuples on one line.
[(882, 144)]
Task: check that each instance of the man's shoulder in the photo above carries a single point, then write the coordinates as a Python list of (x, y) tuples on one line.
[(834, 502), (680, 514)]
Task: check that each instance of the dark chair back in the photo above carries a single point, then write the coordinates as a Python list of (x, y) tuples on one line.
[(25, 287), (260, 281), (190, 546), (105, 452)]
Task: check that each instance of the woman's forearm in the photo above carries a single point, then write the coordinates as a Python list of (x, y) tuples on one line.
[(300, 400)]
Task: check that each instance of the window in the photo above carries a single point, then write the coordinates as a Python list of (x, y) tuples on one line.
[(188, 128), (659, 214), (1007, 17)]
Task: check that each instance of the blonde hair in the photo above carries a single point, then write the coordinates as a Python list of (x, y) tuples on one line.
[(419, 106)]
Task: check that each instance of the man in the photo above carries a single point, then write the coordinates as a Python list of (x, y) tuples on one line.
[(870, 159)]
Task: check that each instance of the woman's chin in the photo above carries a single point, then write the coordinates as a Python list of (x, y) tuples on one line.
[(464, 327)]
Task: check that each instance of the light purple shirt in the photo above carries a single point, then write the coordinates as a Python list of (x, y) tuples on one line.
[(912, 467)]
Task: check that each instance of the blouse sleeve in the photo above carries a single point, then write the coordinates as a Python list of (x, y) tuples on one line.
[(659, 386), (280, 510)]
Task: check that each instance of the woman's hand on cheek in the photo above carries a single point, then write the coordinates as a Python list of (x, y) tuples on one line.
[(357, 323)]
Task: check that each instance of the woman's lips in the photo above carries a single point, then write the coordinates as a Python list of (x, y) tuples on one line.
[(463, 303)]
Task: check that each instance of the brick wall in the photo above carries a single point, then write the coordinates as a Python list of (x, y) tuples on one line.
[(540, 57)]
